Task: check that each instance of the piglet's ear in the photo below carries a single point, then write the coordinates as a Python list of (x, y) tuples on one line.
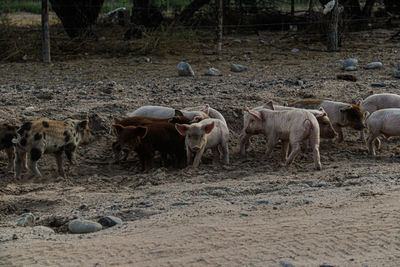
[(178, 113), (206, 109), (117, 129), (142, 131), (208, 128), (270, 104), (181, 128), (82, 125), (256, 114)]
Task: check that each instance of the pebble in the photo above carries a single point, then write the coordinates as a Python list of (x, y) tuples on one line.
[(184, 69), (286, 263), (294, 50), (142, 59), (237, 41), (350, 68), (396, 74), (30, 108), (321, 184), (238, 68), (212, 72), (350, 62), (374, 65), (179, 203), (26, 219), (264, 201), (109, 221), (244, 214), (378, 84), (80, 226)]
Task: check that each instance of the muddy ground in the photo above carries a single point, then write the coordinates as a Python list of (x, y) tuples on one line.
[(252, 212)]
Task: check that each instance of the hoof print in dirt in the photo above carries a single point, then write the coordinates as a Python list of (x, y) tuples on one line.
[(109, 221), (80, 226)]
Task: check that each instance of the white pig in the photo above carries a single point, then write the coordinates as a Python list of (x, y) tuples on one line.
[(377, 102), (208, 133), (292, 127), (160, 112), (211, 112), (384, 122)]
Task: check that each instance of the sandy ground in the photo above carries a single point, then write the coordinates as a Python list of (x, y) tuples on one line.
[(254, 212)]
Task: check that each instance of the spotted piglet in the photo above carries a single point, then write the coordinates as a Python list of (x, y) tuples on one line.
[(50, 137), (7, 133)]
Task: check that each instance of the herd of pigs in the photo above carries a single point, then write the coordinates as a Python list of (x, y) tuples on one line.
[(181, 137)]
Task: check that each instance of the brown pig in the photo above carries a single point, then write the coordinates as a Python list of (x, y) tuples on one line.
[(146, 140), (340, 114), (292, 127), (7, 133), (208, 133)]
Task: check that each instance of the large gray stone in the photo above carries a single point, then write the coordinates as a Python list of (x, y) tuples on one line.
[(80, 226), (109, 221), (374, 65), (26, 219), (350, 68), (396, 74), (184, 69), (350, 62), (212, 72), (238, 68)]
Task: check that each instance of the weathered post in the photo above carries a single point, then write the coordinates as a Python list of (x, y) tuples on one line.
[(333, 40), (45, 31), (219, 5), (292, 8)]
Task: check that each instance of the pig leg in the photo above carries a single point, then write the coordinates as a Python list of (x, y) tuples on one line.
[(34, 155), (296, 148), (272, 141), (316, 156), (339, 131), (215, 151), (285, 149), (59, 160), (225, 151), (19, 161), (370, 143), (244, 143), (189, 156), (362, 136), (10, 156), (197, 158)]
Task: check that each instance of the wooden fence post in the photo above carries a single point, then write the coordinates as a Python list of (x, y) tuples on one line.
[(333, 41), (219, 4), (45, 31)]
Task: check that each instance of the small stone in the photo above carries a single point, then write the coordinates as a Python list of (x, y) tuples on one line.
[(80, 226), (30, 108), (374, 65), (263, 202), (294, 50), (350, 62), (286, 263), (378, 84), (25, 57), (212, 72), (238, 68), (244, 214), (181, 203), (14, 237), (396, 74), (271, 42), (189, 181), (109, 221), (26, 219), (320, 184), (143, 59), (83, 206), (350, 68), (184, 69), (237, 41)]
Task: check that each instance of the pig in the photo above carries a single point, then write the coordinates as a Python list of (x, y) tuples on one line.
[(50, 137), (325, 125), (7, 133), (340, 114), (166, 113), (382, 122), (376, 102), (146, 140), (208, 133), (211, 112), (143, 121), (290, 126)]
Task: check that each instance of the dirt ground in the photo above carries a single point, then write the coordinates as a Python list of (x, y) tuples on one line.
[(253, 212)]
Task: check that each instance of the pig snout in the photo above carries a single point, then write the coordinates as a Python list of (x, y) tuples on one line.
[(195, 148)]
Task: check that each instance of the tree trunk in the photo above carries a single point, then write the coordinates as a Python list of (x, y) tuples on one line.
[(333, 29), (367, 10), (292, 8), (146, 14), (189, 11), (219, 6), (77, 15)]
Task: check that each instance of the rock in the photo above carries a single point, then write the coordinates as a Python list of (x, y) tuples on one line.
[(350, 62), (263, 202), (238, 68), (237, 41), (109, 221), (212, 72), (30, 108), (350, 68), (179, 203), (294, 50), (184, 69), (286, 263), (80, 226), (320, 184), (396, 74), (374, 65), (346, 77), (26, 219), (378, 84), (142, 59)]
